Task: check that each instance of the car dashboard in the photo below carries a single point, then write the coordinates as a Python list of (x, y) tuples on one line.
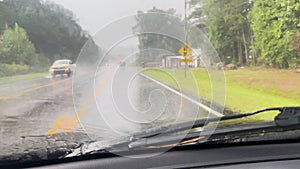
[(267, 155)]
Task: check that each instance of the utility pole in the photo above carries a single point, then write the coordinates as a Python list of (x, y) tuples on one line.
[(185, 19), (185, 51), (185, 36)]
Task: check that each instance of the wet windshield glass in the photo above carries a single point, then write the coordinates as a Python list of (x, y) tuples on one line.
[(61, 62), (72, 73)]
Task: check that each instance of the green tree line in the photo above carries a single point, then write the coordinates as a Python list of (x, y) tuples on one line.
[(158, 21), (33, 33), (255, 32)]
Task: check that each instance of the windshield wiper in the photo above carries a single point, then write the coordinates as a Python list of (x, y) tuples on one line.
[(288, 116)]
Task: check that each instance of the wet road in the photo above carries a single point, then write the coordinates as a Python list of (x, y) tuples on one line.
[(114, 102), (29, 107)]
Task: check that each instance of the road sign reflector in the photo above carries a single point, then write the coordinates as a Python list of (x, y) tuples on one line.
[(186, 60)]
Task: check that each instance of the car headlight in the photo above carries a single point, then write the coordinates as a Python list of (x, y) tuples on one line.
[(51, 69)]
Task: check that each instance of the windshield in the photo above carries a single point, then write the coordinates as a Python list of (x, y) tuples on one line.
[(61, 62), (140, 67)]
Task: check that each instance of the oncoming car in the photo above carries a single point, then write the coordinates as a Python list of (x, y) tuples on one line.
[(61, 67)]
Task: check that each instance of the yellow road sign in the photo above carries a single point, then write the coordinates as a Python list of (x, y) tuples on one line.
[(186, 60), (185, 51)]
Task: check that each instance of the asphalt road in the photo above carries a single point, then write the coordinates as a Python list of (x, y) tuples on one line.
[(114, 102), (29, 108)]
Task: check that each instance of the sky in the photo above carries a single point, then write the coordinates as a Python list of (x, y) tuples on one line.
[(94, 14)]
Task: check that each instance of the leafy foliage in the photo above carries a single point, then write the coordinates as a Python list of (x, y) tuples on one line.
[(160, 21), (266, 30), (52, 28), (16, 48), (296, 46), (273, 25), (13, 69), (34, 33), (227, 26)]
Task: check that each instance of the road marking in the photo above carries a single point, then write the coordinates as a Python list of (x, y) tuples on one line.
[(21, 93), (184, 96), (8, 97), (67, 124)]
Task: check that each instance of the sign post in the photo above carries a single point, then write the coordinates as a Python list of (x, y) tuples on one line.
[(186, 52)]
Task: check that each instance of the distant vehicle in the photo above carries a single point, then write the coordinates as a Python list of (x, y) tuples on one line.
[(122, 64), (61, 67)]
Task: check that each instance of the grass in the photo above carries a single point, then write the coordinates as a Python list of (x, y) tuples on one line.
[(246, 90), (10, 79)]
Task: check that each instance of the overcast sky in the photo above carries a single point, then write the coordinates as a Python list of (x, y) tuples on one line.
[(94, 14)]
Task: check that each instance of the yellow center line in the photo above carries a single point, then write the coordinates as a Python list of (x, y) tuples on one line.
[(67, 124), (21, 93)]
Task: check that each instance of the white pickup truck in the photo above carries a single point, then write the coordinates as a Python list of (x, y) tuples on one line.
[(61, 67)]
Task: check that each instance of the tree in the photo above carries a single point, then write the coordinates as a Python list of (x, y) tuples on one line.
[(273, 24), (160, 21), (52, 29), (296, 47), (227, 26), (16, 48), (6, 16)]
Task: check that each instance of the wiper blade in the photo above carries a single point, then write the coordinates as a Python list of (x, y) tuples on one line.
[(166, 134), (286, 117), (196, 137)]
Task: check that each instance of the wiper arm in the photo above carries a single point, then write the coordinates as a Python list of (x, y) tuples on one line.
[(286, 117)]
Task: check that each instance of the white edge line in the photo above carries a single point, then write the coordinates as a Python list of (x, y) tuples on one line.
[(184, 96)]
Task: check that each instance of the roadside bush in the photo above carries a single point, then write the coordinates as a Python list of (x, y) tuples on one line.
[(42, 64), (13, 69)]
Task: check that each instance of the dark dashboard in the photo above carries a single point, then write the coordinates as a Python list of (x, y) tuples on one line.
[(250, 155)]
